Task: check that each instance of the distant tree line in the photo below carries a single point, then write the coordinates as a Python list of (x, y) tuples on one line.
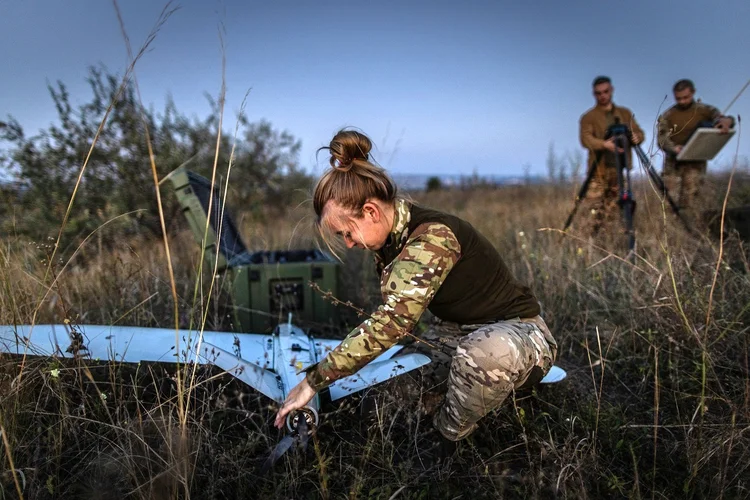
[(561, 170), (39, 173)]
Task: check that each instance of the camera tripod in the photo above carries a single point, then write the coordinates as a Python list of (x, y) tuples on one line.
[(621, 135)]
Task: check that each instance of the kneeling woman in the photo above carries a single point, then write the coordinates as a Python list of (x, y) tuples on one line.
[(427, 260)]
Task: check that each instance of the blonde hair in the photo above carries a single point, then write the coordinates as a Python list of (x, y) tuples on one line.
[(353, 178)]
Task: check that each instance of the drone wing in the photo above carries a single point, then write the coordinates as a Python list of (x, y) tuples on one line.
[(377, 371), (131, 344), (260, 379), (324, 346)]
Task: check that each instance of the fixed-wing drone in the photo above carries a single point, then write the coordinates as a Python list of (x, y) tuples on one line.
[(271, 364)]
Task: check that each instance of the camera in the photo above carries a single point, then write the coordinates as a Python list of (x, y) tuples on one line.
[(618, 129)]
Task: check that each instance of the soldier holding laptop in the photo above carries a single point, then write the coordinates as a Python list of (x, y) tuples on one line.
[(675, 126)]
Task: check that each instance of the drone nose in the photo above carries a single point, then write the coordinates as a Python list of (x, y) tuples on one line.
[(295, 418)]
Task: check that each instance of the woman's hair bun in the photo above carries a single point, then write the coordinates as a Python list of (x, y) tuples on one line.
[(353, 178), (347, 148)]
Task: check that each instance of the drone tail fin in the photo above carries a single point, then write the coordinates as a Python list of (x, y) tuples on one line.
[(555, 374)]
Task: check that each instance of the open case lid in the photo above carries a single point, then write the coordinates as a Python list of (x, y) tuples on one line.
[(704, 144), (193, 194)]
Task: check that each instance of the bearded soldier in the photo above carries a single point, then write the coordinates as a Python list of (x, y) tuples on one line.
[(676, 125)]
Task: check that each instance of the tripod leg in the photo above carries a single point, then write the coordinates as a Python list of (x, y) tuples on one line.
[(628, 210), (662, 187), (581, 195), (625, 200)]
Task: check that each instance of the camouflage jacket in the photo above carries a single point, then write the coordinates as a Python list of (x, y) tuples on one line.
[(408, 283)]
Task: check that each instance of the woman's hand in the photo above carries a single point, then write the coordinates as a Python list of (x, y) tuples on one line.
[(296, 399)]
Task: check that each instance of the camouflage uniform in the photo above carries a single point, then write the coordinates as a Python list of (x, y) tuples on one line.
[(684, 179), (600, 204), (489, 360)]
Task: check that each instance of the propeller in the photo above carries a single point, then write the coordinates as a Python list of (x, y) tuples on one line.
[(300, 425), (281, 448)]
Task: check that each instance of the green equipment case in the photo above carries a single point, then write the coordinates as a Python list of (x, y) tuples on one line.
[(265, 285)]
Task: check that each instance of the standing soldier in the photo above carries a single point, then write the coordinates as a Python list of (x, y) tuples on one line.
[(600, 203), (676, 125)]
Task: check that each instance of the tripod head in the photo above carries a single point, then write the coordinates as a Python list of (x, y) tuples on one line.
[(618, 129)]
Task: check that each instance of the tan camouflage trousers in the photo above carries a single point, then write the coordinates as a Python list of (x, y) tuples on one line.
[(685, 183), (478, 366), (599, 212)]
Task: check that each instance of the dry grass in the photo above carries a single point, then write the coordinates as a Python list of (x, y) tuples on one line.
[(657, 403)]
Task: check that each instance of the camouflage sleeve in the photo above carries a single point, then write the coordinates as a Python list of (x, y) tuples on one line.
[(714, 113), (664, 134), (415, 276)]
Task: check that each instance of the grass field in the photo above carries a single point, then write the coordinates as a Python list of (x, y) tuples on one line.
[(656, 403)]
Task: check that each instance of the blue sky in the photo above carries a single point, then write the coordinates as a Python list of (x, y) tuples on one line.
[(440, 86)]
